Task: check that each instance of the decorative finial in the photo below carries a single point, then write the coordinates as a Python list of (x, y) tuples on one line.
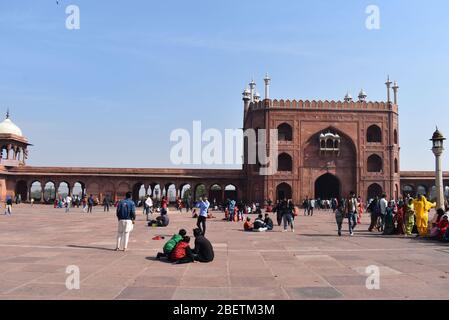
[(362, 95), (7, 113), (348, 97)]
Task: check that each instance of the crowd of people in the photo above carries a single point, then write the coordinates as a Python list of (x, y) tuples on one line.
[(408, 216), (68, 202), (177, 249), (405, 216)]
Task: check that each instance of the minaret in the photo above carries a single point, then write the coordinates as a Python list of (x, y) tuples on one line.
[(252, 87), (257, 97), (388, 84), (362, 96), (246, 99), (267, 86), (395, 91)]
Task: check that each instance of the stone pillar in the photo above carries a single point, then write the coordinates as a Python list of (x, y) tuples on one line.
[(223, 199), (439, 182)]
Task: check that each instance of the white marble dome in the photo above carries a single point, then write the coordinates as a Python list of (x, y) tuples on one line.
[(8, 127)]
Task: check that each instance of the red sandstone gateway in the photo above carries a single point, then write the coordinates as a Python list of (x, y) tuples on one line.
[(326, 150)]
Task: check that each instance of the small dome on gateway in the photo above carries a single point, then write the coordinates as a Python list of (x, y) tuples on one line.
[(8, 127)]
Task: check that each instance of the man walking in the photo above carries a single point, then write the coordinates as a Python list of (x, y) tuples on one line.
[(383, 204), (352, 212), (8, 207), (68, 203), (311, 207), (305, 206), (287, 215), (203, 205), (148, 206), (126, 214), (90, 204), (106, 203)]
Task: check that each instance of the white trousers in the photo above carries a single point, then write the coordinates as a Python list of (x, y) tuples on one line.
[(124, 228)]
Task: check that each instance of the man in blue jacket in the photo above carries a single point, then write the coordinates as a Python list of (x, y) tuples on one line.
[(126, 214)]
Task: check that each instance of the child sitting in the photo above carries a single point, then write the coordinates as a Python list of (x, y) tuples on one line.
[(171, 244), (182, 253), (248, 226)]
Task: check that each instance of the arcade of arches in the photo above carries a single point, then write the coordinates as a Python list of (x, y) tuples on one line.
[(226, 185)]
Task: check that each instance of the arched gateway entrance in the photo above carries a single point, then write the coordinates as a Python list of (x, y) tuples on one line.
[(284, 191), (327, 187)]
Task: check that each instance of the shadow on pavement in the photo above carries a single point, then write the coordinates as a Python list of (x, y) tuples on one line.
[(90, 247)]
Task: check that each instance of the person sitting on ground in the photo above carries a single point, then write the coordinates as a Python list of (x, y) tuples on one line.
[(182, 253), (268, 222), (203, 252), (446, 235), (161, 221), (435, 230), (171, 244), (210, 215), (259, 224), (443, 226), (248, 226)]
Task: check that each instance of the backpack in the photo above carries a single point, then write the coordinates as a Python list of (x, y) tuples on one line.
[(123, 209)]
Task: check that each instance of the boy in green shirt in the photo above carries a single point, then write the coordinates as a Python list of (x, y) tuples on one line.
[(171, 244)]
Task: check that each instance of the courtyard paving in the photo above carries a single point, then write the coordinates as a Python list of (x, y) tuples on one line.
[(37, 244)]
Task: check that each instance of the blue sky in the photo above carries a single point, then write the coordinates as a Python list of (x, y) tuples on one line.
[(110, 93)]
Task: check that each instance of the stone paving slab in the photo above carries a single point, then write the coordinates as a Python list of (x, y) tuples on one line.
[(37, 244)]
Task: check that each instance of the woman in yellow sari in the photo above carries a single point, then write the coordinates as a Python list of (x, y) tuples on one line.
[(422, 207)]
